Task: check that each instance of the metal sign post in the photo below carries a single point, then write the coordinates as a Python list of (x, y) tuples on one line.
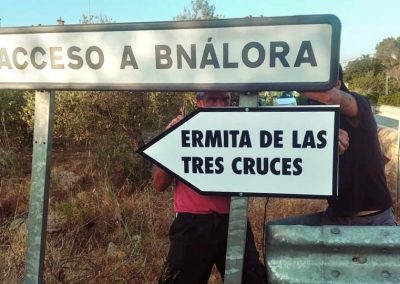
[(39, 195), (238, 221)]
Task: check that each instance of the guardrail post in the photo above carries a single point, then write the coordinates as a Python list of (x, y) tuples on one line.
[(238, 221), (40, 179)]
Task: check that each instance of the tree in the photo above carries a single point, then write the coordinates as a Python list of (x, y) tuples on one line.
[(388, 51), (200, 10), (93, 19), (361, 66), (365, 75)]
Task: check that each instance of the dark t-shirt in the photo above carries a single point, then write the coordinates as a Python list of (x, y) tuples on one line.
[(362, 181)]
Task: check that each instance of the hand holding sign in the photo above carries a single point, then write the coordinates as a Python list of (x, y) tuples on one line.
[(343, 141), (174, 121)]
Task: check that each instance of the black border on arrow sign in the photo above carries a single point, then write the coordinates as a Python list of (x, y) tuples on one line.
[(334, 109)]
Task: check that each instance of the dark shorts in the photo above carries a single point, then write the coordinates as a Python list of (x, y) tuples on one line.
[(197, 242)]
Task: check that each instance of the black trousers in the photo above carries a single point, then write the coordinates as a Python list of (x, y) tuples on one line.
[(197, 242)]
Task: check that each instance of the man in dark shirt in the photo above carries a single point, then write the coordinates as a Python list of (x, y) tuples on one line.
[(363, 196)]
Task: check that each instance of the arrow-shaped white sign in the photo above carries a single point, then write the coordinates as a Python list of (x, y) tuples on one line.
[(271, 151)]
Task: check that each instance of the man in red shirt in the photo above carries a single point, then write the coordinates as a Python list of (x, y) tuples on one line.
[(198, 235)]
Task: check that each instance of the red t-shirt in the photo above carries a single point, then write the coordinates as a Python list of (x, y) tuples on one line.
[(187, 200)]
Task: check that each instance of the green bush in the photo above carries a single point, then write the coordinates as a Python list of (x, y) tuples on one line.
[(14, 131), (106, 123), (372, 98), (9, 164), (117, 161), (392, 99), (84, 116)]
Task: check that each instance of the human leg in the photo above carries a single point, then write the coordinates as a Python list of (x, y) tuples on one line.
[(254, 271), (189, 258)]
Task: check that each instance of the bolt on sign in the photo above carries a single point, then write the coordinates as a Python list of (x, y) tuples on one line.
[(290, 53), (271, 151)]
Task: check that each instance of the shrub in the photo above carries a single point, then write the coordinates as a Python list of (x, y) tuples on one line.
[(9, 164), (14, 131), (392, 99)]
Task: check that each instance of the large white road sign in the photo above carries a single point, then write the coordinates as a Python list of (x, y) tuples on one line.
[(282, 53), (272, 151)]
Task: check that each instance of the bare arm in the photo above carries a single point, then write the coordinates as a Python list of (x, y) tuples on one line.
[(348, 105), (161, 179), (334, 96)]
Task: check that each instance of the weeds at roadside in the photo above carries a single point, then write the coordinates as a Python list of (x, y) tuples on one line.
[(101, 231)]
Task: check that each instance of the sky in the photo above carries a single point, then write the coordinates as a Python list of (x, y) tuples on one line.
[(365, 23)]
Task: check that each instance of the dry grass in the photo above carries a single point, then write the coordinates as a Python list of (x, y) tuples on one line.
[(13, 212), (102, 232), (96, 233)]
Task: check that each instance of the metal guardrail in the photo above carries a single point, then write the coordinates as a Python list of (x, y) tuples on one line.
[(332, 254), (298, 251)]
